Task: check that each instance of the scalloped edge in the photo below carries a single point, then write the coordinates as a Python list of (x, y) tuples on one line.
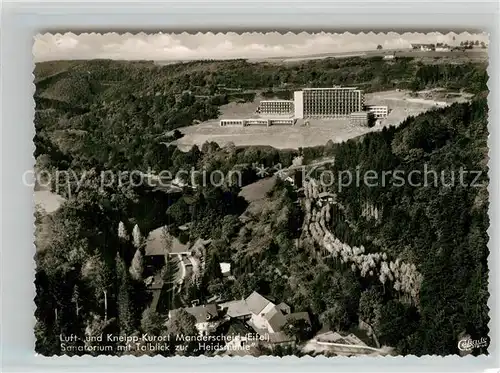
[(406, 38), (449, 358)]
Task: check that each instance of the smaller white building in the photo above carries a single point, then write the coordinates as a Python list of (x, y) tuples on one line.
[(423, 47), (359, 118), (232, 122), (285, 121), (378, 111), (225, 268), (257, 122)]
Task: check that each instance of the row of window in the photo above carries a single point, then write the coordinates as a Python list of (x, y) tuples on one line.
[(232, 122), (276, 103), (334, 94), (255, 122), (268, 110)]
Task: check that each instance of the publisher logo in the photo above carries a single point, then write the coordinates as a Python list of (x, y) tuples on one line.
[(468, 344)]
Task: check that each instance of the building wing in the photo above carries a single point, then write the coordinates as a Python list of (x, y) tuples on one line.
[(256, 303)]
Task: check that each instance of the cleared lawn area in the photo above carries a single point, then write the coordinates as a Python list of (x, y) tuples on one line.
[(319, 131)]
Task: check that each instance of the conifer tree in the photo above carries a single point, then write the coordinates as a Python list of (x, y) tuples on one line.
[(125, 316), (137, 265), (137, 237), (122, 231), (75, 299)]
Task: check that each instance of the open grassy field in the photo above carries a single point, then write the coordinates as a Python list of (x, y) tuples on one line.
[(469, 55)]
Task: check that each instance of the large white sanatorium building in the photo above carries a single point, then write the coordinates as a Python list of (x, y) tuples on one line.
[(313, 103), (332, 102)]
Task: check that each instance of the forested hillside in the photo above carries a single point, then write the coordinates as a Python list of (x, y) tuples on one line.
[(440, 227), (115, 113), (95, 116)]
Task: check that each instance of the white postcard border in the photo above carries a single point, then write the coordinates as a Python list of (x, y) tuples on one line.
[(22, 20)]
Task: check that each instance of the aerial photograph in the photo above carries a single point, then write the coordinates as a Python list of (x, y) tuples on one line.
[(311, 194)]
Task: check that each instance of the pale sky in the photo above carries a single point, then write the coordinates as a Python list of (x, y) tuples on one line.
[(168, 46)]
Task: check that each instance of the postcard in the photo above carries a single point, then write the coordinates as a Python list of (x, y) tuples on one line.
[(311, 194)]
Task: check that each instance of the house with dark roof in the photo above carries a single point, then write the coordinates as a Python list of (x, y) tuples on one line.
[(269, 319), (154, 251), (255, 314), (257, 304), (203, 313), (285, 308), (157, 242), (275, 320), (239, 335), (207, 317), (236, 309), (265, 315), (299, 316)]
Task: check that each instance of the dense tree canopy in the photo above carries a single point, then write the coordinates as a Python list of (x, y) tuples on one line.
[(95, 116)]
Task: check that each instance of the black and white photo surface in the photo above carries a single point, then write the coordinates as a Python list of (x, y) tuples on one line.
[(261, 194)]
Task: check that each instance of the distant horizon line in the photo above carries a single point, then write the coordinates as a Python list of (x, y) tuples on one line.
[(353, 53)]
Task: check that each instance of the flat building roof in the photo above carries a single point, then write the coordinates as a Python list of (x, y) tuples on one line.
[(328, 88), (276, 101), (257, 119)]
